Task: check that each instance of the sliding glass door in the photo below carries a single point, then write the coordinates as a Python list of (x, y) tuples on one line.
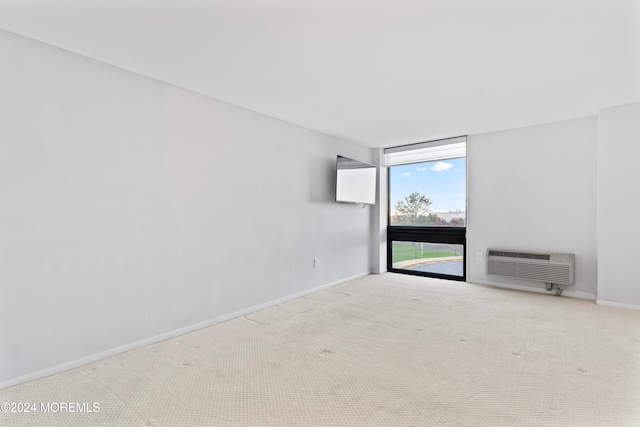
[(427, 209)]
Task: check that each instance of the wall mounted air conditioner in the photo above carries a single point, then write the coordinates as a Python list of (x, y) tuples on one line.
[(550, 268)]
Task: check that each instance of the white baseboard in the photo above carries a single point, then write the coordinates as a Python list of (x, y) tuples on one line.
[(165, 336), (617, 304), (541, 290)]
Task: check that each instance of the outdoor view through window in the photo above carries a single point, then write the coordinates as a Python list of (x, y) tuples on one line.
[(429, 194)]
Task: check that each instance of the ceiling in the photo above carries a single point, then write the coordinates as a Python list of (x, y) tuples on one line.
[(377, 72)]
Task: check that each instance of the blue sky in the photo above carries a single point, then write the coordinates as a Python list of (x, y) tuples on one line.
[(443, 181)]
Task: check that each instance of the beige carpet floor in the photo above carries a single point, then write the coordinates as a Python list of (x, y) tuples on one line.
[(388, 350)]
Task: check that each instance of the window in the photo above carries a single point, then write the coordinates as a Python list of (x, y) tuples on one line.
[(427, 209), (428, 257), (431, 194)]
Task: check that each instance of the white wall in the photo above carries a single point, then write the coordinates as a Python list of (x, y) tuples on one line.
[(379, 217), (618, 204), (534, 189), (131, 209)]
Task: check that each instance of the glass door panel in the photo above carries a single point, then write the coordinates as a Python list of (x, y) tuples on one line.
[(439, 258)]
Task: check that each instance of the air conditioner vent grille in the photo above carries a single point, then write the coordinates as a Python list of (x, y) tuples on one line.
[(525, 255), (544, 267)]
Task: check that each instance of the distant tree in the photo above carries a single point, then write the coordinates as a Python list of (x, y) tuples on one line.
[(414, 206), (457, 222), (434, 219)]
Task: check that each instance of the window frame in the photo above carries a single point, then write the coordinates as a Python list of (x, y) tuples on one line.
[(426, 234)]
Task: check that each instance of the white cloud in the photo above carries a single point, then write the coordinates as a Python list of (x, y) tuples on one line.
[(406, 174), (422, 169), (441, 166)]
